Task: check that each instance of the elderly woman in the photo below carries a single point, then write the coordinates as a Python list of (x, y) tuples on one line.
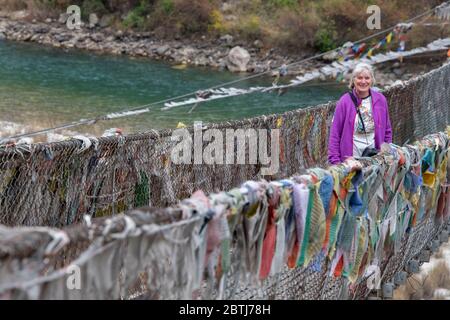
[(361, 121)]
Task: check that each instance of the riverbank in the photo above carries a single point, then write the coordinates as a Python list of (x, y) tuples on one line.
[(214, 53)]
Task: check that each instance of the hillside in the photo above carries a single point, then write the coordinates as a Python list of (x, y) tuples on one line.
[(294, 26)]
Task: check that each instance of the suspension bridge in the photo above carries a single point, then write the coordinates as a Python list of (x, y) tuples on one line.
[(132, 224)]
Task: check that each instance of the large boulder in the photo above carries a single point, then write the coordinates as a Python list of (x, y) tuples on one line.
[(238, 59)]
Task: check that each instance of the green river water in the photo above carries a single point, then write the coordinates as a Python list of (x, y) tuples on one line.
[(42, 86)]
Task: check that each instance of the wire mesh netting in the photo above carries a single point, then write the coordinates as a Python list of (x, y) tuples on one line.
[(217, 246)]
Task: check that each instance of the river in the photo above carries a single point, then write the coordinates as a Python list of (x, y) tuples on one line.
[(43, 86)]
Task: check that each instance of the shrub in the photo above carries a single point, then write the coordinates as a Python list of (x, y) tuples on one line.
[(296, 29), (217, 22), (193, 15), (326, 37), (182, 17), (92, 6), (13, 5), (136, 17), (283, 3), (251, 27), (167, 6)]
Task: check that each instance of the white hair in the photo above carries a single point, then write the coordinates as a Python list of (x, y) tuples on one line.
[(360, 67)]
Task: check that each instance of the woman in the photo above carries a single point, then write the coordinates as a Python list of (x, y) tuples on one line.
[(351, 133)]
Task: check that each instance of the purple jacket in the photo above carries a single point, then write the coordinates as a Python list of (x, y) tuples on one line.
[(340, 144)]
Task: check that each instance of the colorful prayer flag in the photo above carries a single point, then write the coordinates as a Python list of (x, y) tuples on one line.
[(389, 37)]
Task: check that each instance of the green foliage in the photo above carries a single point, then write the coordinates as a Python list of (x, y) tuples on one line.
[(251, 27), (136, 17), (283, 3), (217, 22), (167, 6), (325, 37), (92, 6)]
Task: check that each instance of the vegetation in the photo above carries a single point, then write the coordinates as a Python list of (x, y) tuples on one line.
[(295, 25)]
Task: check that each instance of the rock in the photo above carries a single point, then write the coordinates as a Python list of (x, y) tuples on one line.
[(91, 46), (106, 20), (260, 68), (188, 52), (62, 37), (48, 20), (162, 50), (228, 39), (63, 18), (398, 72), (140, 52), (251, 67), (201, 61), (230, 17), (168, 53), (258, 44), (222, 65), (2, 36), (26, 37), (226, 7), (41, 29), (119, 34), (17, 15), (238, 59), (97, 37), (332, 56), (93, 20), (407, 76)]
